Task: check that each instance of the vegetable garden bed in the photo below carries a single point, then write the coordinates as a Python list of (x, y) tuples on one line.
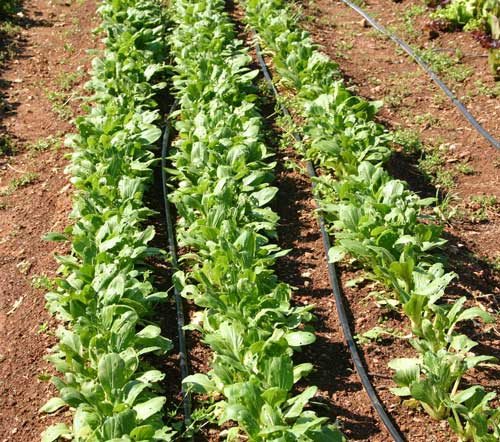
[(222, 158)]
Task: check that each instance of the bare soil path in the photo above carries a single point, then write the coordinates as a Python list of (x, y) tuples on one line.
[(39, 86)]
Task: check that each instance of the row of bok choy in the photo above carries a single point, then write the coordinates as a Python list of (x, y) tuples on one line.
[(223, 173), (105, 297)]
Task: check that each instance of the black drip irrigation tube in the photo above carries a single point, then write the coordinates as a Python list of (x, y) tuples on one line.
[(407, 48), (183, 359), (337, 293)]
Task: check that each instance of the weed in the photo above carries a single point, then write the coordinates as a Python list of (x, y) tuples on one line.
[(443, 63), (9, 6), (393, 100), (465, 168), (448, 208), (439, 99), (483, 89), (444, 179), (432, 165), (68, 80), (340, 55), (426, 119), (42, 282), (43, 328), (377, 35), (414, 11), (44, 144), (7, 145), (409, 18), (495, 263), (496, 163), (326, 21), (343, 45), (374, 80), (9, 29), (486, 201), (376, 334), (60, 106), (408, 139), (482, 206), (17, 183), (68, 47)]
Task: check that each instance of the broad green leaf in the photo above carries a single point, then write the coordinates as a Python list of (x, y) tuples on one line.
[(298, 402), (200, 383), (151, 135), (465, 395), (275, 396), (150, 407), (119, 424), (336, 254), (301, 370), (54, 432), (475, 312), (52, 405), (111, 372), (55, 236), (300, 338), (144, 432), (264, 196), (407, 371)]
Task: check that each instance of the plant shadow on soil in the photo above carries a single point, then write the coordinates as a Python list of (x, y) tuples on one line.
[(165, 314)]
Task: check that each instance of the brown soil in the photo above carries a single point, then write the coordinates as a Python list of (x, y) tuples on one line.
[(52, 44)]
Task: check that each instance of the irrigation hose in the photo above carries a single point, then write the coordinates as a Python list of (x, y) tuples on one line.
[(407, 48), (339, 301), (186, 395)]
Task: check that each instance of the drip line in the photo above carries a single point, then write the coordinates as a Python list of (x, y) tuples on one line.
[(334, 282), (183, 359), (407, 48)]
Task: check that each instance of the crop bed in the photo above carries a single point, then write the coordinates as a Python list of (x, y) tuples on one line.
[(407, 192)]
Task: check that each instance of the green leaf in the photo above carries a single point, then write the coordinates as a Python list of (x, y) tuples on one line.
[(151, 135), (55, 236), (275, 396), (148, 408), (301, 370), (54, 432), (119, 424), (465, 395), (144, 432), (52, 405), (279, 372), (407, 371), (475, 312), (111, 372), (336, 254), (264, 196), (298, 402), (200, 383), (300, 338)]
